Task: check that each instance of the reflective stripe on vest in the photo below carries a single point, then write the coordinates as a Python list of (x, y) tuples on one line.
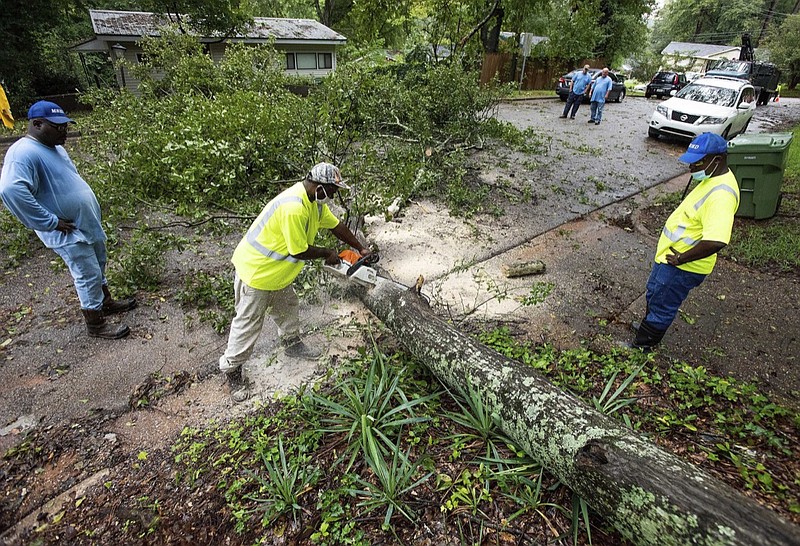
[(677, 235), (712, 190), (252, 235)]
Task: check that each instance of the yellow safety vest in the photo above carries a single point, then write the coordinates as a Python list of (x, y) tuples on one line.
[(285, 227), (705, 215)]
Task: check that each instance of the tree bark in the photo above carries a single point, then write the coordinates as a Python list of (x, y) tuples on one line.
[(651, 496)]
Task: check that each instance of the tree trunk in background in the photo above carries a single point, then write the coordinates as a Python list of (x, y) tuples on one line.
[(490, 33), (651, 496), (767, 19)]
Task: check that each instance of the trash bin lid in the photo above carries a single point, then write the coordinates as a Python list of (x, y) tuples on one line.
[(760, 142)]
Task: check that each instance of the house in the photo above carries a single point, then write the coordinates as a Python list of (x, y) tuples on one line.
[(698, 57), (309, 46)]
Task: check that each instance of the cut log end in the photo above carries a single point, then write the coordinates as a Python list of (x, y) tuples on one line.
[(522, 269)]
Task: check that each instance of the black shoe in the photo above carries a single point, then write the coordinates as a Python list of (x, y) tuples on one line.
[(597, 123), (590, 121), (647, 337), (295, 348), (562, 117), (632, 346), (572, 117)]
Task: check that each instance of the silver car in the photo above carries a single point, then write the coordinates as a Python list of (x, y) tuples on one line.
[(722, 106)]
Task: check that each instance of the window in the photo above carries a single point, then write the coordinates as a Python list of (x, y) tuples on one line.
[(325, 60), (708, 94), (142, 58), (309, 61), (306, 61)]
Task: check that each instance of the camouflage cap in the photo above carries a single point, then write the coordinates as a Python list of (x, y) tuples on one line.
[(325, 173)]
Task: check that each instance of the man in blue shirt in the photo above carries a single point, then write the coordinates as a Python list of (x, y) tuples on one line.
[(42, 188), (600, 91), (577, 89)]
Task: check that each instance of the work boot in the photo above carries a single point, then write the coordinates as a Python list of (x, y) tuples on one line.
[(240, 387), (295, 348), (647, 337), (96, 325), (112, 306)]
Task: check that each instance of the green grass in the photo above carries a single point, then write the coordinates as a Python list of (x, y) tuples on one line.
[(773, 244), (532, 93), (791, 179), (794, 93)]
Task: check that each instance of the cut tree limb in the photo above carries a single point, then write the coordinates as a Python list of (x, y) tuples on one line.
[(522, 269), (651, 496)]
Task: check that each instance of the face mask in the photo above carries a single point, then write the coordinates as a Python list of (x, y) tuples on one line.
[(703, 175), (325, 199)]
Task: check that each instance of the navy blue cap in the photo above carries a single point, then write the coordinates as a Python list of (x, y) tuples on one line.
[(703, 145)]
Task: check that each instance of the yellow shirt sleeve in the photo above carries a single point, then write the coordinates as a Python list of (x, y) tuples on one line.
[(327, 220)]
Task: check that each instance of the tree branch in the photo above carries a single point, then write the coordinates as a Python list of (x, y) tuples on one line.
[(485, 20)]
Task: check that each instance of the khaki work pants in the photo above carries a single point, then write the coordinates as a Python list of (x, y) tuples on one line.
[(252, 305)]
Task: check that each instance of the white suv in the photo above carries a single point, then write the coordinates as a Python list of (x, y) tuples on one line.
[(707, 105)]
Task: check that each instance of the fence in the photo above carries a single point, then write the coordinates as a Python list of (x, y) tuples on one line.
[(539, 73)]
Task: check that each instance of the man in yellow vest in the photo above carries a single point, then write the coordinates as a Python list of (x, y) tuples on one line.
[(267, 260), (693, 235)]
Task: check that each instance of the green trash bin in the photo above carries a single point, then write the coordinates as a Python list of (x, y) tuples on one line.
[(758, 161)]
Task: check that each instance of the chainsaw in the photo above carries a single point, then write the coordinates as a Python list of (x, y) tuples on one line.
[(356, 268)]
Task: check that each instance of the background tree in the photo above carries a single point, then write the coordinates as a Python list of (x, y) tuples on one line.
[(293, 9), (383, 21), (622, 28), (606, 29), (783, 47), (719, 22), (571, 28), (207, 17), (34, 57), (331, 12)]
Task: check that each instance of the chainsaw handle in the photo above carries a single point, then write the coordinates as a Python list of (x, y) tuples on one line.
[(370, 259)]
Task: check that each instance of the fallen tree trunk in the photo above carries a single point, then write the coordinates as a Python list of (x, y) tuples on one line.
[(649, 495)]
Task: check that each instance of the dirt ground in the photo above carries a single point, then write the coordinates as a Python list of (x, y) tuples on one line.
[(588, 220)]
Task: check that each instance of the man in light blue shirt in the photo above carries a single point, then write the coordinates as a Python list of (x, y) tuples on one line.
[(600, 90), (41, 187), (577, 89)]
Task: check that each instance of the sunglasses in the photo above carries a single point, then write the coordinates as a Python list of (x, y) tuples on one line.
[(56, 126)]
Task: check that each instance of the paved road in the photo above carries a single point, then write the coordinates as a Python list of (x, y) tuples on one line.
[(577, 168)]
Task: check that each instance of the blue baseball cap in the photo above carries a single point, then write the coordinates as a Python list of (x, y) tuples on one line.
[(49, 111), (703, 145)]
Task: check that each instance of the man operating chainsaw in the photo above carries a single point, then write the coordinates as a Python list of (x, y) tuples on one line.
[(267, 260)]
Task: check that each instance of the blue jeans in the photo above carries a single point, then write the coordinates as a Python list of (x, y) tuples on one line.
[(667, 287), (597, 110), (87, 265), (574, 101)]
